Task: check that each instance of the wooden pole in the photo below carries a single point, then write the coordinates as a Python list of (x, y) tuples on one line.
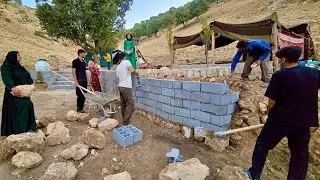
[(213, 47), (275, 46), (238, 130)]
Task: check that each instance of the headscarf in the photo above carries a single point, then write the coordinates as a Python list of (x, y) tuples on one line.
[(14, 64), (127, 37)]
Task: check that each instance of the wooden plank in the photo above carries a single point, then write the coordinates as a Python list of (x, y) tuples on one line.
[(275, 46)]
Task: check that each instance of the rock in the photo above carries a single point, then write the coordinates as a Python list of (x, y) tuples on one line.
[(163, 124), (217, 144), (18, 171), (83, 117), (57, 134), (105, 171), (93, 122), (72, 116), (188, 170), (245, 111), (212, 80), (81, 164), (60, 171), (157, 121), (26, 160), (121, 176), (236, 139), (187, 132), (25, 90), (94, 138), (169, 125), (76, 152), (238, 122), (33, 142), (114, 159), (5, 150), (263, 107), (177, 128), (253, 120), (94, 152), (201, 133), (116, 168), (231, 173), (150, 117), (107, 125), (264, 118), (48, 117)]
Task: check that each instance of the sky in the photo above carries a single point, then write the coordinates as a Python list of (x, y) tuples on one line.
[(140, 10)]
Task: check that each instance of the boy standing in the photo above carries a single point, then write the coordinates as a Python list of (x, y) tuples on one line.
[(80, 78), (107, 58), (292, 110), (124, 71)]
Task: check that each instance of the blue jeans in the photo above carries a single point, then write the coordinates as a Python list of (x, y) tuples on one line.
[(108, 65)]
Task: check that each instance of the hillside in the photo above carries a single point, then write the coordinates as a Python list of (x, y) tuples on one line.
[(290, 12), (20, 30)]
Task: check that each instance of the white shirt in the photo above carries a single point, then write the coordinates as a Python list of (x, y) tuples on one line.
[(124, 74)]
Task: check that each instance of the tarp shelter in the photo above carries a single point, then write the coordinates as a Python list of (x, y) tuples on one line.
[(227, 33)]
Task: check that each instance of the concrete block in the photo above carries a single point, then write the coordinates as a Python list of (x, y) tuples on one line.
[(176, 119), (191, 86), (142, 100), (162, 114), (182, 112), (137, 133), (213, 127), (235, 97), (195, 105), (167, 92), (152, 110), (142, 81), (150, 82), (133, 93), (144, 88), (167, 83), (231, 108), (201, 116), (167, 108), (225, 99), (141, 106), (182, 94), (215, 88), (176, 102), (157, 83), (196, 73), (192, 123), (164, 99), (190, 73), (152, 103), (123, 136), (154, 97), (155, 90), (187, 132), (177, 85), (217, 110), (221, 121), (200, 96), (203, 73), (139, 93)]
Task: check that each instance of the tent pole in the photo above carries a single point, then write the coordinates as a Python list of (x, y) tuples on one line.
[(275, 46)]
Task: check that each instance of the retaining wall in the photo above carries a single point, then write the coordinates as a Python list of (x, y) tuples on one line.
[(192, 104)]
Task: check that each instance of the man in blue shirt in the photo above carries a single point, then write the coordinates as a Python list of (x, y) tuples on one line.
[(257, 52)]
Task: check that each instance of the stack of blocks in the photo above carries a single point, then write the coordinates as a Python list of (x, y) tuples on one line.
[(127, 135), (193, 104)]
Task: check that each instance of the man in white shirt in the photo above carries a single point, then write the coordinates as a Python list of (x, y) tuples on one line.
[(124, 71)]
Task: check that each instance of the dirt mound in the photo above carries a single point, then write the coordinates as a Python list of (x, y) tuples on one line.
[(20, 30), (231, 11)]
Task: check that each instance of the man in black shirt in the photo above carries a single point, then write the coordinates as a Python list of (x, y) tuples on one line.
[(80, 78), (292, 110)]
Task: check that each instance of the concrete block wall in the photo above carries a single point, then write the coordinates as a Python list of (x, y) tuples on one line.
[(193, 104)]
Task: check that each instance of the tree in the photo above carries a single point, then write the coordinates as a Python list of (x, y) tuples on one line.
[(181, 15), (91, 24), (206, 35), (17, 1), (198, 7), (170, 44)]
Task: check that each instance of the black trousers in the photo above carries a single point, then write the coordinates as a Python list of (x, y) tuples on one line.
[(298, 140), (80, 97)]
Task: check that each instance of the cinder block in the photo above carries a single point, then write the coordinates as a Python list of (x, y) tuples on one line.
[(235, 97), (200, 96), (192, 122), (225, 99), (176, 102), (195, 105), (167, 83), (201, 116), (217, 110), (141, 106), (221, 121), (182, 94), (137, 133), (133, 93), (191, 86), (176, 119), (144, 88), (142, 100), (157, 83), (167, 92), (154, 97), (164, 99), (231, 108), (139, 94), (177, 85), (167, 108), (152, 103), (152, 110), (182, 112), (155, 90), (142, 81), (213, 127), (162, 114), (123, 136), (215, 88), (150, 82)]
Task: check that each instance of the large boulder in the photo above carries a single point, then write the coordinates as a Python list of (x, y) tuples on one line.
[(72, 116), (83, 117), (188, 170), (76, 152), (48, 117), (94, 138), (93, 122), (231, 173), (60, 171), (121, 176), (5, 150), (26, 160), (107, 125), (33, 142), (57, 134)]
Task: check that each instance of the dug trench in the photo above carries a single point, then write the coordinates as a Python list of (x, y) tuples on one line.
[(146, 159)]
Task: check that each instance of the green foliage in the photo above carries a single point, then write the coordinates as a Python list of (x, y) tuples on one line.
[(92, 24), (170, 38), (174, 16), (206, 34), (17, 1)]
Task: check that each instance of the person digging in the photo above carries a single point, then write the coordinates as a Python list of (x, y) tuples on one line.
[(255, 53), (292, 111)]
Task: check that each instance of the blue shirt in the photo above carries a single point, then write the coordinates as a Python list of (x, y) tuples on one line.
[(258, 48)]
